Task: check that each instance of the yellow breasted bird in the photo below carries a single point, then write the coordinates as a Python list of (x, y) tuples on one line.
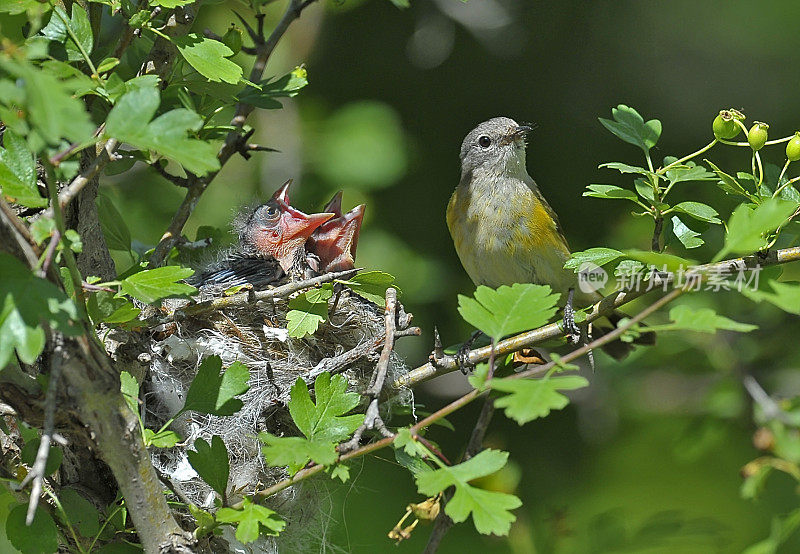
[(504, 230)]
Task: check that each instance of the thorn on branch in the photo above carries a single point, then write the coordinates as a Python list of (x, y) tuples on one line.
[(257, 38)]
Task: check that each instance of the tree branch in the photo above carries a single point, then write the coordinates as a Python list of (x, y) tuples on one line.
[(233, 142), (447, 364)]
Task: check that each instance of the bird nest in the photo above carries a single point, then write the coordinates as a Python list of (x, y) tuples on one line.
[(253, 332)]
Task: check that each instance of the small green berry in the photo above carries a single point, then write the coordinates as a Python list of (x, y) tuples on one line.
[(725, 126), (793, 148), (233, 39), (757, 135)]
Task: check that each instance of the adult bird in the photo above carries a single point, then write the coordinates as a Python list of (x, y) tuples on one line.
[(503, 229)]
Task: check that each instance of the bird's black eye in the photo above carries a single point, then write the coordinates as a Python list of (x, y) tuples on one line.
[(484, 141)]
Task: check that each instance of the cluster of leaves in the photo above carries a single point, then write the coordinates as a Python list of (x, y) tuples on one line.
[(308, 310)]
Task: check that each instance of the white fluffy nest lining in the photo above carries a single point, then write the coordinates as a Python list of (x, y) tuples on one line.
[(255, 335)]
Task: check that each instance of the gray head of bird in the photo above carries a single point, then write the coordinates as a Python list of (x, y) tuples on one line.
[(496, 146)]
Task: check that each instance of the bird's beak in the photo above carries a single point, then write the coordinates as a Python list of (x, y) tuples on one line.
[(282, 194), (299, 224), (352, 224), (334, 206), (521, 131)]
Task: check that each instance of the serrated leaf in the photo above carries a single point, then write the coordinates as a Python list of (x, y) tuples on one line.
[(52, 112), (106, 307), (115, 231), (625, 168), (372, 285), (597, 256), (212, 393), (40, 536), (18, 172), (508, 310), (209, 57), (489, 509), (703, 320), (340, 472), (609, 191), (786, 296), (689, 238), (529, 399), (56, 31), (251, 521), (323, 419), (210, 461), (698, 210), (747, 226), (130, 121), (322, 422), (629, 126), (307, 311), (688, 172), (27, 302), (152, 285), (285, 87)]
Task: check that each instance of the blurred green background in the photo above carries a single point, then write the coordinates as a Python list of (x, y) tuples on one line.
[(648, 458)]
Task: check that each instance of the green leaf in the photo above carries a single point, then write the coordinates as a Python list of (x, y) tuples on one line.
[(340, 472), (81, 513), (489, 509), (610, 191), (18, 172), (786, 296), (631, 127), (161, 439), (107, 64), (252, 520), (409, 445), (322, 423), (702, 320), (106, 307), (782, 529), (307, 311), (152, 285), (210, 461), (40, 536), (644, 188), (699, 211), (727, 183), (508, 310), (115, 231), (212, 393), (323, 419), (688, 172), (48, 105), (689, 238), (27, 302), (401, 4), (31, 448), (529, 399), (372, 285), (129, 121), (747, 226), (56, 31), (597, 256), (287, 86), (129, 387), (209, 57), (660, 260), (625, 168)]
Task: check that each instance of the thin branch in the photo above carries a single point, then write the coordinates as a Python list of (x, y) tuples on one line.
[(655, 245), (372, 419), (233, 141), (771, 408), (38, 471), (245, 298), (15, 222), (617, 299), (176, 180), (70, 191)]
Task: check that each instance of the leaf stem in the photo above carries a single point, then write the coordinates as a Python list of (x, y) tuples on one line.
[(73, 36), (705, 148)]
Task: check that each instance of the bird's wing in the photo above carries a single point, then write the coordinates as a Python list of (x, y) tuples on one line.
[(241, 269)]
